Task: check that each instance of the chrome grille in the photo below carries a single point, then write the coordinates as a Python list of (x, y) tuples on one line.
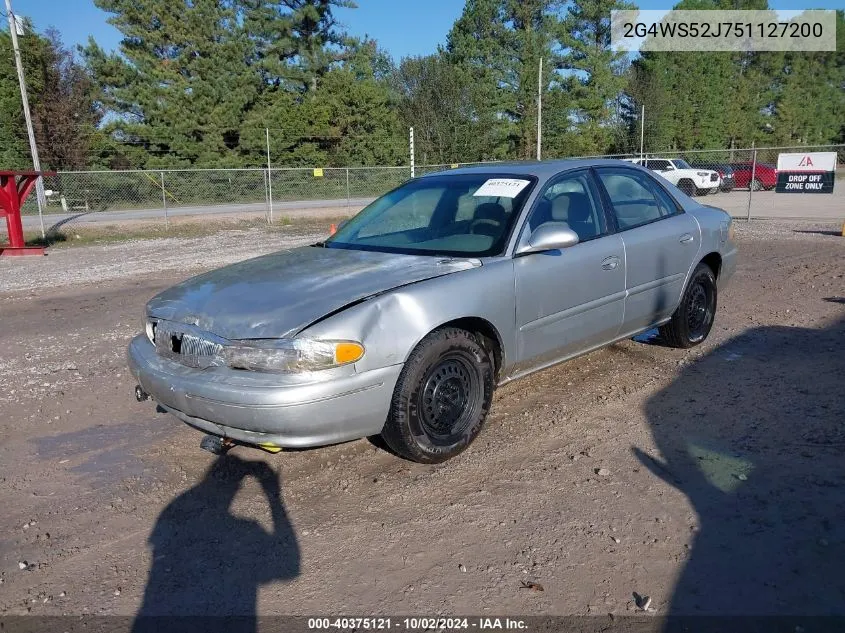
[(188, 348)]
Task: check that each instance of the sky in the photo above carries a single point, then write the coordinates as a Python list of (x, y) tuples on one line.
[(401, 27)]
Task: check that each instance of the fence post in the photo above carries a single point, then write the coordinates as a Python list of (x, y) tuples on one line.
[(642, 130), (411, 144), (269, 175), (347, 188), (751, 182), (164, 202), (266, 196)]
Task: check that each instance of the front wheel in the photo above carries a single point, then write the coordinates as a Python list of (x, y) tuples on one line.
[(687, 187), (756, 185), (441, 399), (693, 319)]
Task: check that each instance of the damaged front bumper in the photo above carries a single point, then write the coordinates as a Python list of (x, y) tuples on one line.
[(286, 410)]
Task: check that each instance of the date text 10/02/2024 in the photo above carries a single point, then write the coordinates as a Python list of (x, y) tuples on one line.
[(417, 624)]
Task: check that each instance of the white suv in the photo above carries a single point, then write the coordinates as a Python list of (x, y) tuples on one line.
[(688, 179)]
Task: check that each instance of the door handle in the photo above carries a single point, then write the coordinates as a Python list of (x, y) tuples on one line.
[(609, 263), (686, 238)]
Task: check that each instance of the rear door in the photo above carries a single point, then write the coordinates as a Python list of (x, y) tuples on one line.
[(661, 242)]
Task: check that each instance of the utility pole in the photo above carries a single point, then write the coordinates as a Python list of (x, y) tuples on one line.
[(36, 164), (540, 110)]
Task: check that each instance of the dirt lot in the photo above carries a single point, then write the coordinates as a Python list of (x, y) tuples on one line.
[(710, 480)]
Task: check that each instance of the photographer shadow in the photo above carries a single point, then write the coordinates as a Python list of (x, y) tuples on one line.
[(753, 434), (208, 563)]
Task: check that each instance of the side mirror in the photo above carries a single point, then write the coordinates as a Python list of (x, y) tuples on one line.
[(551, 236)]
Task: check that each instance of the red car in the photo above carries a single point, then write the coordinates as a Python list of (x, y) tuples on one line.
[(765, 176)]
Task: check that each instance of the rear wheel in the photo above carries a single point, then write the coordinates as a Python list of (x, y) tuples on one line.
[(756, 185), (442, 397), (693, 319)]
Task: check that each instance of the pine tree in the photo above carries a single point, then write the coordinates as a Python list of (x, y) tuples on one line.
[(180, 85), (296, 41), (499, 44), (595, 75)]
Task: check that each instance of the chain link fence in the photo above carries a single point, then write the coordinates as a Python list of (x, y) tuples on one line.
[(741, 181)]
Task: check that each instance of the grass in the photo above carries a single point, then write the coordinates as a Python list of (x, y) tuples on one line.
[(69, 236)]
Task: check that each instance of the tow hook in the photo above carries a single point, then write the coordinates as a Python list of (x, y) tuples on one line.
[(140, 394), (216, 445)]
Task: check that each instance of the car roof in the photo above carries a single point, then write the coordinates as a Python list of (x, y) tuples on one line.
[(543, 169)]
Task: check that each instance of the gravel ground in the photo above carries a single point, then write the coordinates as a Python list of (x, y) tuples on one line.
[(83, 265), (710, 480)]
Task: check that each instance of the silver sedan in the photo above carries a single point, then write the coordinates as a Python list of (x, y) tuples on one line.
[(404, 321)]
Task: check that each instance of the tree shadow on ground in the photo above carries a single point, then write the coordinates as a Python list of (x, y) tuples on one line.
[(754, 434), (208, 563)]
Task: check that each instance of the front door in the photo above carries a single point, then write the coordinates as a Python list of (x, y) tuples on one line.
[(569, 300)]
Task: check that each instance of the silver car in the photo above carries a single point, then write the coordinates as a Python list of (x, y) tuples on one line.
[(404, 321)]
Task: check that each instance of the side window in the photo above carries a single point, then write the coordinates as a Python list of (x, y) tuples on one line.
[(571, 200), (635, 198), (667, 205)]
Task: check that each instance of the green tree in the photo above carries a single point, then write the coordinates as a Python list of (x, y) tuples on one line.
[(296, 41), (435, 97), (595, 75), (700, 100), (498, 44), (350, 119), (808, 95), (62, 99), (501, 42), (14, 150), (180, 86)]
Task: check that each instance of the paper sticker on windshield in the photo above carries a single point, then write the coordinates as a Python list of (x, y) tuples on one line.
[(502, 187)]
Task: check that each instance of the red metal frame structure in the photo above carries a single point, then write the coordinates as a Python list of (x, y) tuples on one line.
[(14, 188)]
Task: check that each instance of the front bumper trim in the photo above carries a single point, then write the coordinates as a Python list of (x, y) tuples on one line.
[(254, 407)]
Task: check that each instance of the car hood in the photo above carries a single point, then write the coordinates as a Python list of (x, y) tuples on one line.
[(277, 295)]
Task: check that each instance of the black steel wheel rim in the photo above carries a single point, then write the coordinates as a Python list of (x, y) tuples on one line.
[(699, 311), (449, 399)]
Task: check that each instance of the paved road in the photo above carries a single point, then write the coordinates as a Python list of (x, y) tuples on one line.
[(764, 205), (279, 208), (782, 206)]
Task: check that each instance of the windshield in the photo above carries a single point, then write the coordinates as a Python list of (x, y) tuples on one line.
[(463, 215), (680, 163)]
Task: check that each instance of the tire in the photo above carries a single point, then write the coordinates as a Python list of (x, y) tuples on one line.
[(687, 187), (441, 399), (693, 319), (756, 185)]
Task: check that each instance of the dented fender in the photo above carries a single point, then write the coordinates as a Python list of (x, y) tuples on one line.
[(391, 324)]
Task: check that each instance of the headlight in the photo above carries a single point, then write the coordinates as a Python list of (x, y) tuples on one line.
[(291, 355), (703, 174), (150, 330)]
